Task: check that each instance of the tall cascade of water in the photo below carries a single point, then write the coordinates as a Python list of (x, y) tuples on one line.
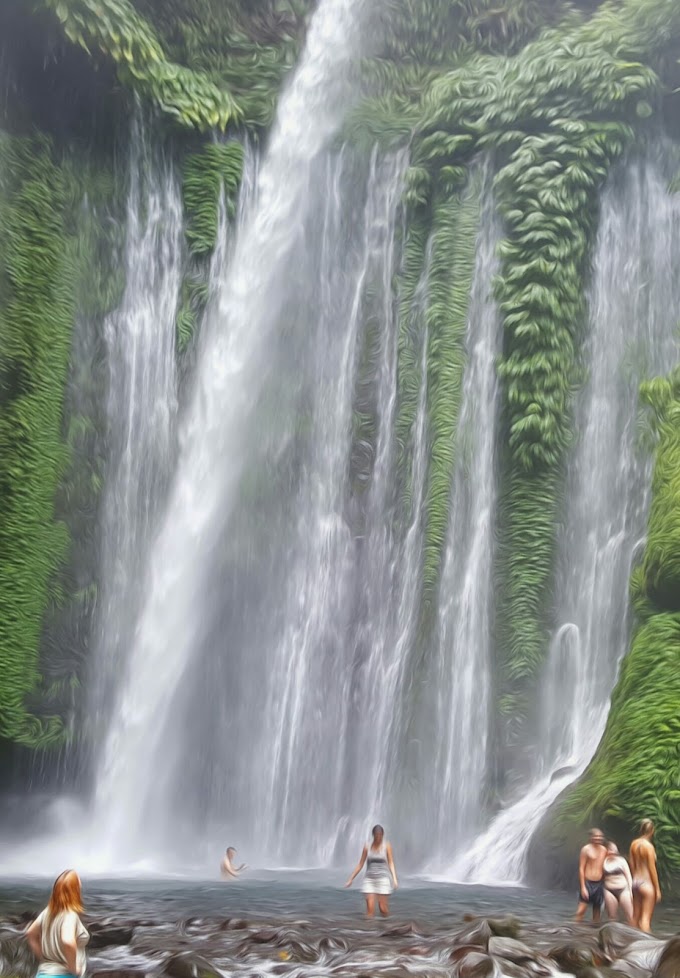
[(132, 807), (634, 300), (458, 677), (141, 410)]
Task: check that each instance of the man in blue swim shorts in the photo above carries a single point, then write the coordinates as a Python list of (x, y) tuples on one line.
[(591, 875)]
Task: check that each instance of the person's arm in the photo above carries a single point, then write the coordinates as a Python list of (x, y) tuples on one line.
[(390, 863), (69, 944), (582, 875), (34, 937), (359, 866), (654, 876)]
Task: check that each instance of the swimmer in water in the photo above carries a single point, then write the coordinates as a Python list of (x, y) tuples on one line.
[(381, 876), (646, 889), (227, 866)]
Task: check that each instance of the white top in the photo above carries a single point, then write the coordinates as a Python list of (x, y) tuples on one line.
[(52, 945)]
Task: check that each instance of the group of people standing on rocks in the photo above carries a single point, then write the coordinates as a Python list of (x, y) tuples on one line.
[(607, 879)]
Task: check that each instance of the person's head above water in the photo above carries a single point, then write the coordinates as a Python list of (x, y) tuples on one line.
[(66, 893), (597, 837), (231, 852), (647, 828), (378, 834)]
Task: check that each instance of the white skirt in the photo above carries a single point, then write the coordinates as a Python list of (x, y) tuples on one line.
[(381, 886)]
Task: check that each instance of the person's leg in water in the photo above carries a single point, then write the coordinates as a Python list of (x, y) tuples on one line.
[(626, 904), (581, 910), (384, 905), (370, 904), (612, 904), (647, 904), (597, 911)]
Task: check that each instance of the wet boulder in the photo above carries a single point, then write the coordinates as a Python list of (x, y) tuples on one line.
[(109, 936), (614, 938), (475, 964), (266, 935), (668, 965), (333, 944), (644, 954), (189, 965), (507, 926), (401, 930), (476, 931), (572, 958), (234, 923), (508, 947)]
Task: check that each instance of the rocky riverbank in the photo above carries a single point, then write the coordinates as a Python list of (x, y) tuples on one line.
[(473, 947)]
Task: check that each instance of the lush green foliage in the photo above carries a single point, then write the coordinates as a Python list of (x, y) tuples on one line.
[(36, 316), (114, 28), (212, 179), (210, 175), (242, 46), (661, 567), (454, 236), (636, 771)]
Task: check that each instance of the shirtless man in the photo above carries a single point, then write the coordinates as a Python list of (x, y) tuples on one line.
[(646, 890), (227, 865), (591, 875)]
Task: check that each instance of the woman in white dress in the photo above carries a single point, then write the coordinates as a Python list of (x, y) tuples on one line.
[(57, 937), (381, 876)]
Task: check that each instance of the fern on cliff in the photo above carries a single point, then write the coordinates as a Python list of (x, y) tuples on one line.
[(36, 316), (116, 30)]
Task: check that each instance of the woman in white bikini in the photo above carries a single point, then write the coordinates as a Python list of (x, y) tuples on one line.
[(618, 884), (381, 876)]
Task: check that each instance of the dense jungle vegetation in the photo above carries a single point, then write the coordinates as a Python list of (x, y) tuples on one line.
[(553, 92)]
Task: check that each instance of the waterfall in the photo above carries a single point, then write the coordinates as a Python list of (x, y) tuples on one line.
[(308, 711), (139, 339), (136, 776), (459, 674), (633, 304)]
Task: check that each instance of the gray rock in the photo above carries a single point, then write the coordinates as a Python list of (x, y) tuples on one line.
[(669, 963), (476, 932), (507, 926), (644, 953), (572, 958), (614, 938), (188, 965), (508, 947), (235, 923), (110, 937), (475, 964)]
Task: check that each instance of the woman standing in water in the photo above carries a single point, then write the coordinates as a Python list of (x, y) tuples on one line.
[(381, 876), (57, 937), (618, 884), (646, 889)]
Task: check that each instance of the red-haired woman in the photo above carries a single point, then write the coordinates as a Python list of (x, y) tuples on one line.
[(57, 937)]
